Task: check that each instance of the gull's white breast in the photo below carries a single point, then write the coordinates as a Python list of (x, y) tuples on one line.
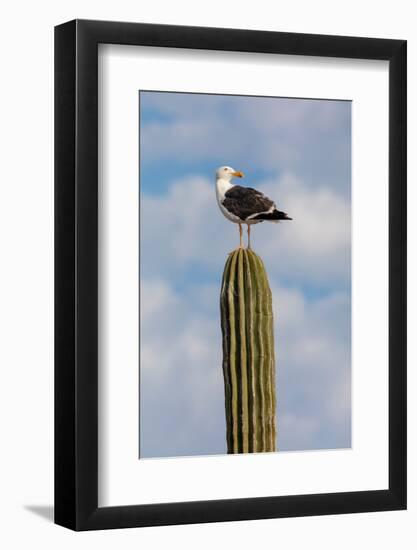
[(222, 186)]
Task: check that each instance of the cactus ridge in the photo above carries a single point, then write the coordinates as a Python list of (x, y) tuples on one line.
[(248, 354)]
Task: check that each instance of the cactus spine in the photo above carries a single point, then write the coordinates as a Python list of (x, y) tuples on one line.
[(248, 354)]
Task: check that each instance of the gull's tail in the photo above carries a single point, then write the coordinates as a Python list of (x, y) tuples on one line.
[(274, 216)]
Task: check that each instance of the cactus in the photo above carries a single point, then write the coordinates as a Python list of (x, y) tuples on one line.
[(248, 354)]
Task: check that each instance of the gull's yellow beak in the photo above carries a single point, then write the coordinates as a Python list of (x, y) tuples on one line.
[(238, 174)]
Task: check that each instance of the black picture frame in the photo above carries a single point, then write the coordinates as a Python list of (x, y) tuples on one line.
[(76, 272)]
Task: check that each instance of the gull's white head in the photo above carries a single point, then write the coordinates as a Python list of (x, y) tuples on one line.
[(227, 173)]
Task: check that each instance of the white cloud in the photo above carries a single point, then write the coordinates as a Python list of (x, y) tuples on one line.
[(181, 374), (270, 133), (156, 298), (182, 384), (290, 115), (182, 135), (190, 230), (315, 246), (302, 430), (313, 366)]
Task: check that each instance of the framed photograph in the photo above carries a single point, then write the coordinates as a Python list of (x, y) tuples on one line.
[(230, 246)]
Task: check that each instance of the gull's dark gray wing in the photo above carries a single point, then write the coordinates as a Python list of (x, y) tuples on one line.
[(245, 202)]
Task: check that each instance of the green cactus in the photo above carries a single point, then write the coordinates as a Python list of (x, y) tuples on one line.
[(248, 354)]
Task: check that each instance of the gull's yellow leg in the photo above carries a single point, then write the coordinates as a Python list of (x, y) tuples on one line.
[(240, 236), (249, 236)]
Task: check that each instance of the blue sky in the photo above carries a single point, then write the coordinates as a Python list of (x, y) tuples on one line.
[(298, 152)]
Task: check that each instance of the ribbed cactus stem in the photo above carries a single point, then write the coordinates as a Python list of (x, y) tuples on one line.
[(248, 354)]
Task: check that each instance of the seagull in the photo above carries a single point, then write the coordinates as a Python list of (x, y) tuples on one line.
[(244, 204)]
